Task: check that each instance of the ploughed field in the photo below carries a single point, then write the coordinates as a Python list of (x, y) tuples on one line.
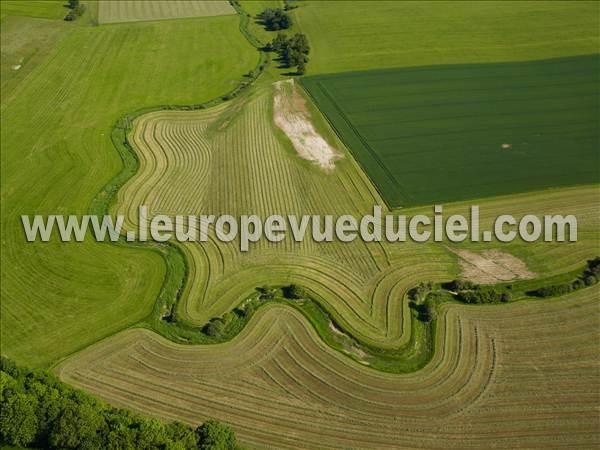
[(444, 133)]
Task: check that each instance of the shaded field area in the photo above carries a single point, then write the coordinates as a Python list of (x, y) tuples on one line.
[(357, 35), (136, 10), (457, 132)]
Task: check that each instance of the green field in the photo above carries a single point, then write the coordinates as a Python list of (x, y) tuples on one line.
[(57, 114), (431, 102), (357, 35), (447, 133), (47, 9)]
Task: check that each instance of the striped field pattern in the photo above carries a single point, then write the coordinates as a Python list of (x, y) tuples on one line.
[(504, 372), (113, 11), (523, 375), (232, 160), (519, 375)]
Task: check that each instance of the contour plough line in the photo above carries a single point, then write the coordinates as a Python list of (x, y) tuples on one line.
[(412, 339), (279, 384)]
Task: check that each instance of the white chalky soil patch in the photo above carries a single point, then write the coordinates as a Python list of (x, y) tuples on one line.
[(491, 266), (291, 115)]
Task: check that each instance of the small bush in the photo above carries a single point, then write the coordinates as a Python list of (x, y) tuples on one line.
[(459, 285), (214, 328), (294, 292), (266, 293), (552, 291), (76, 10), (416, 292)]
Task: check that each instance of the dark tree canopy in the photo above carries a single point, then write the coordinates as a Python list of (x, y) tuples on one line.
[(39, 411), (213, 435), (275, 19)]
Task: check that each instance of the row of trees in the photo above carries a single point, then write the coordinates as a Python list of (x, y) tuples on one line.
[(484, 294), (469, 292), (231, 322), (588, 277), (40, 411), (292, 51)]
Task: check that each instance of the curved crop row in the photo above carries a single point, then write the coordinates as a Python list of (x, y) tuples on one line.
[(496, 375)]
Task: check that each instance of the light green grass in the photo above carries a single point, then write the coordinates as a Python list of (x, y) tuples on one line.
[(48, 9), (110, 11), (362, 35), (25, 42), (57, 155)]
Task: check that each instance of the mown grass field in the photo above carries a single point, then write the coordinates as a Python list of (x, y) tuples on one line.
[(47, 9), (57, 116), (183, 156), (445, 133), (505, 376), (522, 374), (110, 11), (355, 35)]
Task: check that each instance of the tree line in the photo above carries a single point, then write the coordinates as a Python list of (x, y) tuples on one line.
[(230, 323), (472, 293), (469, 292), (292, 50), (275, 19), (40, 411), (76, 9), (588, 277)]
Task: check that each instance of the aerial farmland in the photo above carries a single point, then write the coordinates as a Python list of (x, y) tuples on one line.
[(203, 113)]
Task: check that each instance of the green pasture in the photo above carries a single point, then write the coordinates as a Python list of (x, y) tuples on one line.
[(362, 35), (58, 111)]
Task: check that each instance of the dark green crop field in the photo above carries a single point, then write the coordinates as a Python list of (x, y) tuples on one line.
[(455, 132)]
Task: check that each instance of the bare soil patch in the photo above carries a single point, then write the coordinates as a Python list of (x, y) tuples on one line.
[(491, 266), (291, 115)]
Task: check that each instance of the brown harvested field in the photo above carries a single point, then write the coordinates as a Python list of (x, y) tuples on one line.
[(522, 375)]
